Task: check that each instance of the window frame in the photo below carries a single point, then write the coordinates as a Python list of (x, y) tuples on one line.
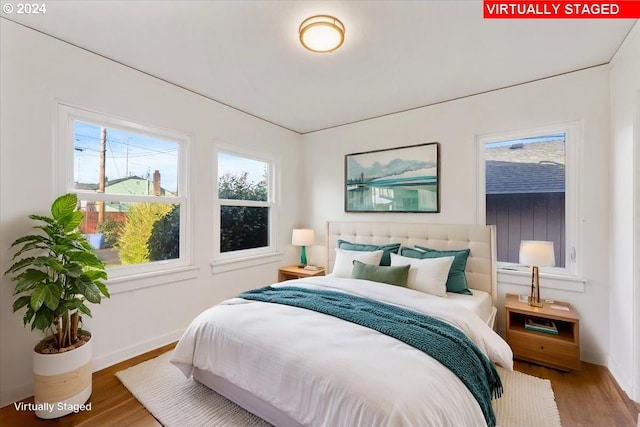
[(573, 137), (66, 116), (222, 258)]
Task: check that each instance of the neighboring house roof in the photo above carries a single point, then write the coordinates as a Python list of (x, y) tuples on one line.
[(121, 184), (119, 180), (525, 168), (84, 186), (511, 177)]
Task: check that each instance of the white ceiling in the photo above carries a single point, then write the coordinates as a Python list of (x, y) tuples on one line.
[(397, 55)]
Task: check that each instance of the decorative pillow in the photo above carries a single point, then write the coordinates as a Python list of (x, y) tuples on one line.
[(457, 281), (426, 275), (378, 273), (343, 264), (388, 249)]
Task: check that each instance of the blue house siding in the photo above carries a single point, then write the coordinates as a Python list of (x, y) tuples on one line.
[(527, 216)]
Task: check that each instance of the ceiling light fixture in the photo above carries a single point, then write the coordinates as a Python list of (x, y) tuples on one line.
[(321, 33)]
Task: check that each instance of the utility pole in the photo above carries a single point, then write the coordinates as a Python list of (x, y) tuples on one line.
[(101, 177)]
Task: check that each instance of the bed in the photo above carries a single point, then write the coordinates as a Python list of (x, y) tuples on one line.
[(297, 367)]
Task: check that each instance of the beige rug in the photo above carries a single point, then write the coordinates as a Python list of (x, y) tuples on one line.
[(177, 401)]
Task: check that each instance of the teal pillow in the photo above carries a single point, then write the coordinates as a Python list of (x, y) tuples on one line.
[(457, 280), (386, 254), (378, 273)]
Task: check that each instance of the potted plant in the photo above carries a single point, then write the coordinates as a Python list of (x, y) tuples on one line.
[(55, 273)]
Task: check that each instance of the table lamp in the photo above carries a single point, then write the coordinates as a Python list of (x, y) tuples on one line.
[(536, 253), (302, 237)]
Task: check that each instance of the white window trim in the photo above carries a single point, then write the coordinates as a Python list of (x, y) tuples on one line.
[(573, 143), (125, 278), (249, 257)]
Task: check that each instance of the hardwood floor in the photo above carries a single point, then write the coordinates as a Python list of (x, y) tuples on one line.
[(588, 397)]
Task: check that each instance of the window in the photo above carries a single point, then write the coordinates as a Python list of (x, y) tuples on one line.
[(528, 192), (130, 181), (245, 206)]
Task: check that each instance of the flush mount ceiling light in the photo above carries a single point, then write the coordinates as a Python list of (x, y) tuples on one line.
[(321, 33)]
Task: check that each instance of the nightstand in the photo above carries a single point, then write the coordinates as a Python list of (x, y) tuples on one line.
[(561, 351), (295, 272)]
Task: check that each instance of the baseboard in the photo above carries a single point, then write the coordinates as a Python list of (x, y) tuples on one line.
[(104, 361), (620, 376)]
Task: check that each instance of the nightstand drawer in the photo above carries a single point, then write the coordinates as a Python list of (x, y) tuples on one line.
[(546, 350)]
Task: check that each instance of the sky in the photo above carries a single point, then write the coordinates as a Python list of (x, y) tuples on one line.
[(132, 154), (127, 154), (236, 165), (531, 140)]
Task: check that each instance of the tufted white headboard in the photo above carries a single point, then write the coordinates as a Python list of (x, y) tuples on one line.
[(481, 265)]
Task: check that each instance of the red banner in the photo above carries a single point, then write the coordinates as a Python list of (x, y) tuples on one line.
[(626, 9)]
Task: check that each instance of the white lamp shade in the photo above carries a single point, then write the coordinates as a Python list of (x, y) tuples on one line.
[(537, 253), (302, 237)]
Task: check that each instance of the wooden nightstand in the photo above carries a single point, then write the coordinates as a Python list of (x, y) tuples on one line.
[(295, 272), (560, 351)]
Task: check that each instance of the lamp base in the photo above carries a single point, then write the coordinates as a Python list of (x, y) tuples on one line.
[(533, 303)]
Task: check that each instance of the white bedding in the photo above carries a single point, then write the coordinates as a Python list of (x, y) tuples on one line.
[(323, 371), (480, 303)]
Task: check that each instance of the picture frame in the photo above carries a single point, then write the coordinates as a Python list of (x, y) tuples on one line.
[(400, 179)]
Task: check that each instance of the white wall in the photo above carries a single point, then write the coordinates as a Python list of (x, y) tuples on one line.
[(625, 207), (36, 72), (581, 96)]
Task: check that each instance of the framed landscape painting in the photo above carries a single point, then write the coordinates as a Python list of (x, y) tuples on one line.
[(402, 179)]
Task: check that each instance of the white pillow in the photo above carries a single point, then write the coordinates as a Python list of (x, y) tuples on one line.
[(343, 264), (426, 275)]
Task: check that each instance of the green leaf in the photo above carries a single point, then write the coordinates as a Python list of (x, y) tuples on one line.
[(84, 310), (52, 263), (28, 239), (28, 316), (50, 230), (89, 290), (44, 320), (72, 270), (24, 286), (96, 274), (103, 289), (18, 265), (31, 246), (85, 258), (48, 294), (46, 219), (64, 205), (21, 302), (72, 221), (53, 295), (28, 280)]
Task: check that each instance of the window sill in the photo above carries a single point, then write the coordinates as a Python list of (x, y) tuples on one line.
[(223, 266), (547, 281), (134, 282)]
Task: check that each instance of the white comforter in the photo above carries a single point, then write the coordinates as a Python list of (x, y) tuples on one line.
[(323, 371)]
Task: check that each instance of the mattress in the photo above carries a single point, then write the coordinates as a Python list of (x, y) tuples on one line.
[(480, 303)]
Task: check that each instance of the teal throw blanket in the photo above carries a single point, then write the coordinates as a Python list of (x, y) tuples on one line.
[(445, 343)]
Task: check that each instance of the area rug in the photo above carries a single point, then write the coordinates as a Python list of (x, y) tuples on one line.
[(178, 401)]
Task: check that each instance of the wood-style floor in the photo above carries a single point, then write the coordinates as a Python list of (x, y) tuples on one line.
[(588, 397)]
